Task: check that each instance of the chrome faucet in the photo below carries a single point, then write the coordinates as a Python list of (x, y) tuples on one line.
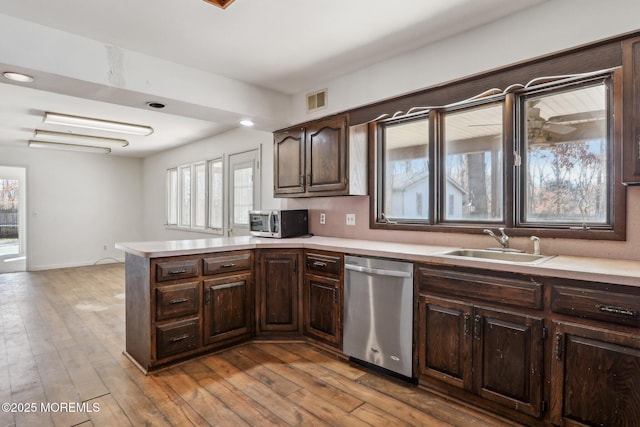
[(504, 240)]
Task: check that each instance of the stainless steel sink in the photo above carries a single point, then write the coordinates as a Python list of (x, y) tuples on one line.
[(501, 256)]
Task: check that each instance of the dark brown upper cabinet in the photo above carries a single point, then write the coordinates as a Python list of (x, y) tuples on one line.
[(631, 100), (288, 151), (321, 158)]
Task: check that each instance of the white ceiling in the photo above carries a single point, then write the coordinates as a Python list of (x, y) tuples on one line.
[(288, 46)]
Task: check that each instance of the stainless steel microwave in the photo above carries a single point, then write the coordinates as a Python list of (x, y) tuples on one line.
[(279, 223)]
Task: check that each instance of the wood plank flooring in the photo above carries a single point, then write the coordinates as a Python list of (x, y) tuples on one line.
[(62, 336)]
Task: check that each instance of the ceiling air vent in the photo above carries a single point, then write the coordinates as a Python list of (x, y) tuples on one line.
[(316, 100)]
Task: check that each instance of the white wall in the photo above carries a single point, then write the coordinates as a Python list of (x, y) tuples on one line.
[(122, 76), (76, 204), (552, 26), (155, 170)]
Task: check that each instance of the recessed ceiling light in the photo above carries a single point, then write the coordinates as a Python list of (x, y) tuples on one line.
[(18, 77), (248, 123), (69, 147), (77, 139), (98, 124), (154, 104)]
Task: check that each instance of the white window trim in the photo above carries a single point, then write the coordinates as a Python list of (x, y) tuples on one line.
[(207, 229)]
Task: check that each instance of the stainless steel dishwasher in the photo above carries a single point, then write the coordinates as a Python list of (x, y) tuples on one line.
[(378, 313)]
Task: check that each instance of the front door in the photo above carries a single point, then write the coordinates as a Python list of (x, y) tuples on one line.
[(244, 190), (12, 219)]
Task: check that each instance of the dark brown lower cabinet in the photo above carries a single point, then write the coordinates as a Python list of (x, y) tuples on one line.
[(595, 376), (508, 358), (322, 308), (279, 281), (178, 337), (323, 295), (227, 307), (445, 340), (493, 353)]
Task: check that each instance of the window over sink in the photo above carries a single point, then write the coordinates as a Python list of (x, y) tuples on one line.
[(535, 158), (566, 165)]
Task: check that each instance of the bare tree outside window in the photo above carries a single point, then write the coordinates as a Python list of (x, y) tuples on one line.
[(567, 157)]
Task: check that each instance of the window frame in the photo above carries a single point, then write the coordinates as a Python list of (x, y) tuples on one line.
[(210, 164), (182, 215), (379, 197), (179, 224), (172, 198), (522, 148), (440, 190), (512, 181), (194, 196)]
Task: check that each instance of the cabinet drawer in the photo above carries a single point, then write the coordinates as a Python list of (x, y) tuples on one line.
[(608, 306), (177, 300), (320, 263), (176, 338), (174, 270), (228, 263), (515, 290)]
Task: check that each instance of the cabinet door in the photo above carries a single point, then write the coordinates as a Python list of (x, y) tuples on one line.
[(322, 302), (227, 307), (445, 340), (278, 287), (326, 155), (631, 99), (289, 159), (508, 359), (595, 377)]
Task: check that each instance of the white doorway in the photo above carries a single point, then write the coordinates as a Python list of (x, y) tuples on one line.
[(13, 196), (243, 190)]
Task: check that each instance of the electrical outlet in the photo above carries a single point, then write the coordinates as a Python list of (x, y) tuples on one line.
[(323, 218), (351, 219), (104, 247)]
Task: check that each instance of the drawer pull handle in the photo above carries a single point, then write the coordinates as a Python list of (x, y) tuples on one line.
[(319, 264), (178, 271), (231, 265), (617, 310), (178, 300), (179, 338), (230, 285)]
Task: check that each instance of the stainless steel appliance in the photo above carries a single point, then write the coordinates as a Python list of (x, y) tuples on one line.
[(378, 313), (279, 223)]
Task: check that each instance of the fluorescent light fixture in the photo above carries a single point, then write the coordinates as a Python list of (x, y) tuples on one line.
[(69, 147), (18, 77), (247, 123), (89, 123), (77, 139)]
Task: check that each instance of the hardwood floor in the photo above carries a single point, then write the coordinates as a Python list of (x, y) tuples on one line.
[(62, 340)]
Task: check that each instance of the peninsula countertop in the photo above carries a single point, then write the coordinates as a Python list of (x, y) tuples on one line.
[(624, 272)]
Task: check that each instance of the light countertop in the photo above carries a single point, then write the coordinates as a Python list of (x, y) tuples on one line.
[(625, 272)]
